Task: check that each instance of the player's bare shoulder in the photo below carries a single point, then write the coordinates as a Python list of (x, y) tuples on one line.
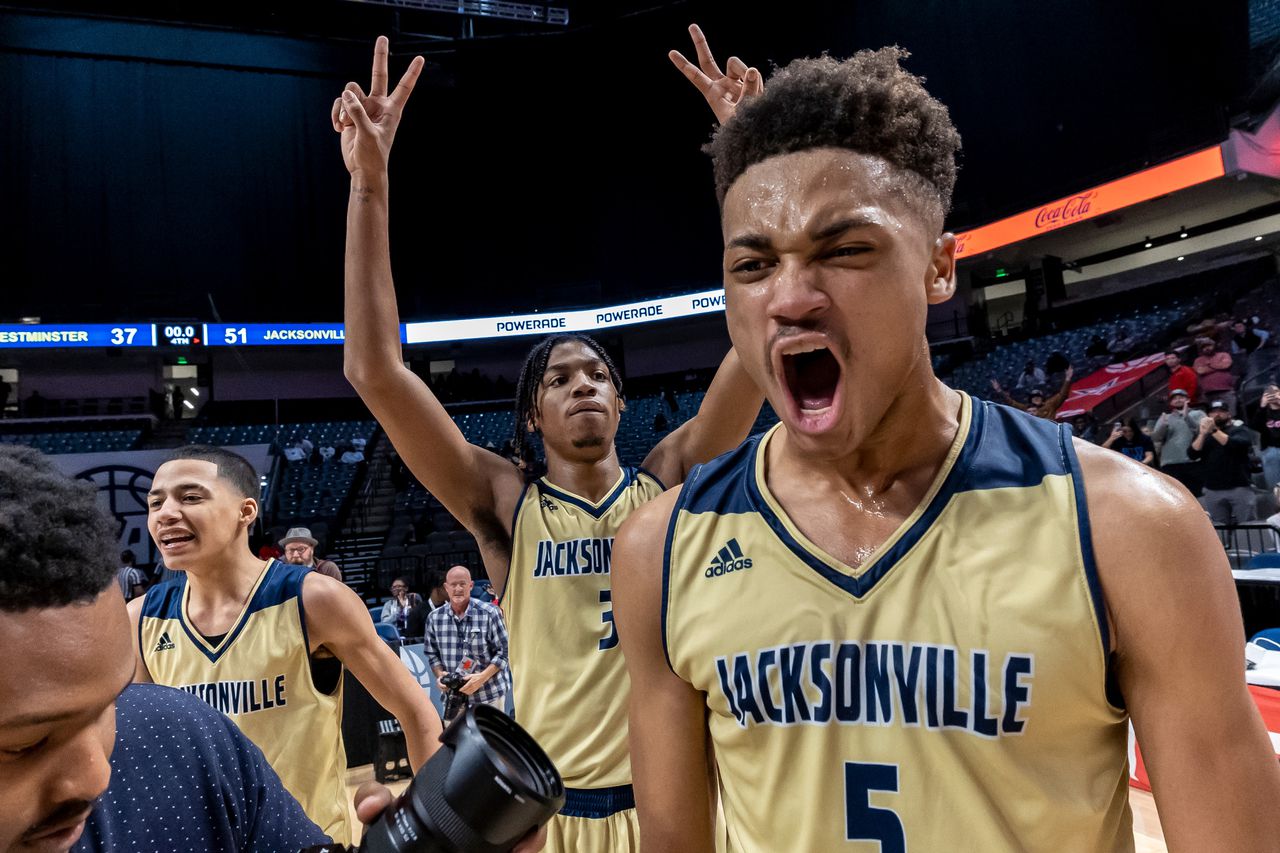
[(639, 540), (1122, 492)]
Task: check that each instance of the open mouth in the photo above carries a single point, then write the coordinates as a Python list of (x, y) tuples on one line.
[(811, 374), (170, 540)]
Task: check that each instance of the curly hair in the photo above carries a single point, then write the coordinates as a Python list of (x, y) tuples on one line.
[(56, 546), (867, 103)]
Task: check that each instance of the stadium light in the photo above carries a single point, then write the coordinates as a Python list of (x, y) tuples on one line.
[(1147, 245)]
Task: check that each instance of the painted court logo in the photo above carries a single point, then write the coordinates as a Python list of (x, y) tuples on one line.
[(728, 559), (165, 643)]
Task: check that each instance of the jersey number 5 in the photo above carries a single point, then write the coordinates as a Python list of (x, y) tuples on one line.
[(606, 597), (863, 821)]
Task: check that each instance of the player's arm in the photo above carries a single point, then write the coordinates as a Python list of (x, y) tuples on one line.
[(140, 672), (465, 478), (1055, 402), (723, 420), (1179, 657), (668, 735), (338, 622)]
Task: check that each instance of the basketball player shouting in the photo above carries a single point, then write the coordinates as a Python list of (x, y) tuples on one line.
[(264, 642), (546, 544), (905, 618)]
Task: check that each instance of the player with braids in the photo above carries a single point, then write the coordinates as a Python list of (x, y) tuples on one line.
[(546, 542), (531, 373), (905, 619)]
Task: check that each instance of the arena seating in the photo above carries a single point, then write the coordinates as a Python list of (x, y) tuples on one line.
[(1152, 329), (319, 433), (85, 441)]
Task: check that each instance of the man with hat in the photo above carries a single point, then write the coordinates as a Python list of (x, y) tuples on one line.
[(300, 550), (1222, 446), (1173, 434)]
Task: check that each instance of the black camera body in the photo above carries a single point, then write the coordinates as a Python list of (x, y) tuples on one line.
[(487, 786), (453, 680)]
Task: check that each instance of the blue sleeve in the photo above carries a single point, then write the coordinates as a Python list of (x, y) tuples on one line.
[(184, 778)]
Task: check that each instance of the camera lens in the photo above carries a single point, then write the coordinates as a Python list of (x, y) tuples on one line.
[(481, 792)]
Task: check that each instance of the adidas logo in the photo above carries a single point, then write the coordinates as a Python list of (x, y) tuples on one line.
[(728, 559), (165, 643), (546, 503)]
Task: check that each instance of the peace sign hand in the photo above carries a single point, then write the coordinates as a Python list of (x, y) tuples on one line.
[(368, 122), (724, 92)]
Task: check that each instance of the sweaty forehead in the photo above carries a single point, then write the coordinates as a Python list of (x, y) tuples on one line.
[(806, 190)]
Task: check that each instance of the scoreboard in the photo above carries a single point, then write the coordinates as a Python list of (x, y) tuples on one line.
[(81, 335), (190, 334)]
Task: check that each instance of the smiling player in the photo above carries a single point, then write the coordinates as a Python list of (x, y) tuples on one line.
[(264, 642)]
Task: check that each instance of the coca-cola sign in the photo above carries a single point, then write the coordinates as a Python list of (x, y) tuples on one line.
[(1060, 213)]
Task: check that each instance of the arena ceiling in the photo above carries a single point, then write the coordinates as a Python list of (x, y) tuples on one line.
[(539, 164)]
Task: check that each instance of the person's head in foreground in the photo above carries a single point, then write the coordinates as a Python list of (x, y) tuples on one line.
[(570, 393), (833, 187), (67, 652), (202, 502)]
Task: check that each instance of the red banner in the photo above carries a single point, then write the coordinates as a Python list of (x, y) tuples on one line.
[(1107, 382)]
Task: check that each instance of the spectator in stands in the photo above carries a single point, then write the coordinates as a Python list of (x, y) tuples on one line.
[(1097, 347), (1223, 447), (1181, 377), (1055, 367), (1126, 438), (86, 758), (660, 423), (1085, 428), (1266, 422), (1243, 338), (437, 597), (300, 550), (1217, 383), (396, 611), (1122, 343), (132, 580), (1173, 433), (35, 405), (1031, 377), (669, 397), (1037, 405), (469, 636)]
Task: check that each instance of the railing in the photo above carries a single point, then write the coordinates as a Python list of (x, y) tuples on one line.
[(1243, 542)]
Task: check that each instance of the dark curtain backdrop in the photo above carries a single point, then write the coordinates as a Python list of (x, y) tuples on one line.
[(145, 166)]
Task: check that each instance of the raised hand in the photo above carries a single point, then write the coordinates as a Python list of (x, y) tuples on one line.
[(723, 91), (368, 122)]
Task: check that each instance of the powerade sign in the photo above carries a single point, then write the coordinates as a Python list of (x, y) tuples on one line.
[(582, 320), (84, 335), (272, 334)]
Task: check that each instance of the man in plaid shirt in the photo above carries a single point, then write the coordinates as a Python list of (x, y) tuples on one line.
[(469, 636)]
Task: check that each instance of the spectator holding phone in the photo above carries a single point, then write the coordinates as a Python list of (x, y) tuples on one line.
[(1174, 431), (1266, 422), (1126, 438)]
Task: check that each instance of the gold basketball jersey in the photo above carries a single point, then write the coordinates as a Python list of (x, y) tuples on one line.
[(259, 675), (951, 693), (570, 684)]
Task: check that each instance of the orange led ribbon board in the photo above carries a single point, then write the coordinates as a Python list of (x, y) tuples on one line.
[(1132, 189)]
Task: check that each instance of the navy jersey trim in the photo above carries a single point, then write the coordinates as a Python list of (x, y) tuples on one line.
[(666, 571), (651, 476), (164, 601), (628, 476), (598, 803), (276, 580), (859, 586), (515, 527), (1091, 566), (719, 486)]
